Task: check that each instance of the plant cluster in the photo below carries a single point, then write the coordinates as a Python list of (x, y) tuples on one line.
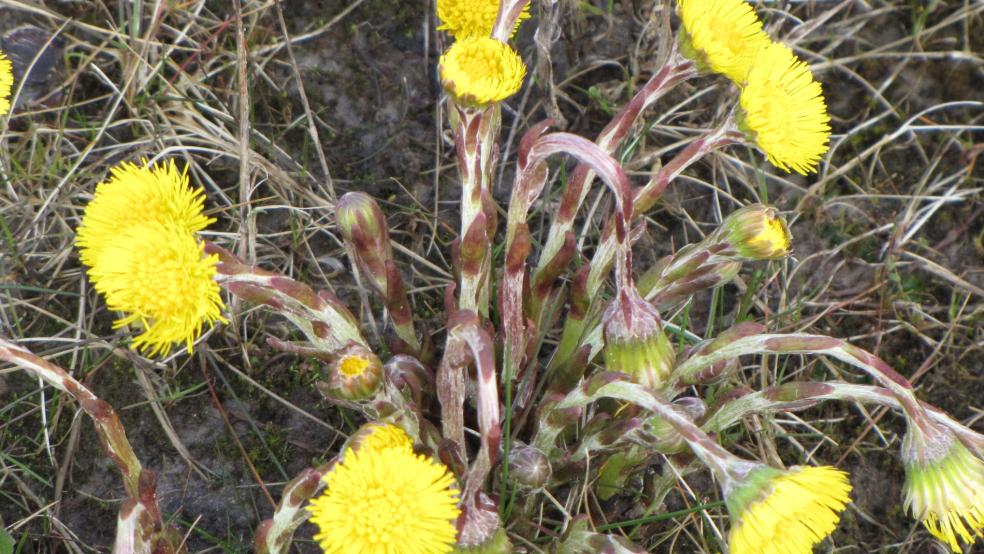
[(552, 373)]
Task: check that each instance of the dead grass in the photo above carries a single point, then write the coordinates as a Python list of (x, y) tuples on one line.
[(337, 96)]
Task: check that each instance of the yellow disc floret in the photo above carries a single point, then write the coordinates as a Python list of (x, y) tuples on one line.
[(377, 435), (948, 495), (137, 194), (386, 501), (159, 276), (722, 35), (472, 18), (479, 71), (786, 512), (6, 83), (783, 110)]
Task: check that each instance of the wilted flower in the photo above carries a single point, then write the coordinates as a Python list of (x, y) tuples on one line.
[(722, 35), (385, 501), (472, 18), (785, 512), (6, 83), (355, 374), (136, 195), (783, 110), (635, 343), (159, 275), (479, 71), (757, 233), (944, 485)]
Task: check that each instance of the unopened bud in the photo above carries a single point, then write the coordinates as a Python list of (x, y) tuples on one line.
[(528, 466), (364, 228), (756, 232), (635, 343), (355, 374)]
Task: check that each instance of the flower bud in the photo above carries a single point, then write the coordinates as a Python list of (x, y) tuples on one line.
[(528, 466), (635, 343), (364, 228), (355, 374), (757, 233)]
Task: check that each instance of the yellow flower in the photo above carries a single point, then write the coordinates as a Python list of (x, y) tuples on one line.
[(479, 71), (783, 110), (136, 195), (159, 275), (947, 495), (757, 233), (355, 374), (472, 18), (384, 502), (785, 512), (6, 83), (723, 35), (377, 435)]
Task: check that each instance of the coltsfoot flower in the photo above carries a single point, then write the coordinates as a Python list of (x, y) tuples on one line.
[(160, 277), (472, 18), (783, 110), (785, 512), (635, 343), (757, 233), (377, 435), (944, 486), (6, 83), (479, 71), (386, 501), (722, 35), (139, 194), (355, 374)]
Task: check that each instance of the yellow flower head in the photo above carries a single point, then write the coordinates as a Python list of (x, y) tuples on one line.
[(723, 35), (783, 110), (479, 71), (757, 233), (6, 83), (786, 512), (355, 374), (158, 274), (472, 18), (946, 494), (136, 195), (377, 435), (386, 501)]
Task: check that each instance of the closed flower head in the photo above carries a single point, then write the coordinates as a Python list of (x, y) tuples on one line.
[(479, 71), (785, 512), (721, 35), (6, 83), (138, 194), (756, 232), (386, 501), (635, 343), (783, 110), (472, 18), (159, 276), (944, 486), (355, 374)]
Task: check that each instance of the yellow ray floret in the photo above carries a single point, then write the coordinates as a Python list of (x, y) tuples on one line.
[(6, 83), (948, 496), (723, 35), (386, 501), (136, 194), (158, 275), (472, 18), (479, 71), (377, 435), (786, 512), (782, 108)]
